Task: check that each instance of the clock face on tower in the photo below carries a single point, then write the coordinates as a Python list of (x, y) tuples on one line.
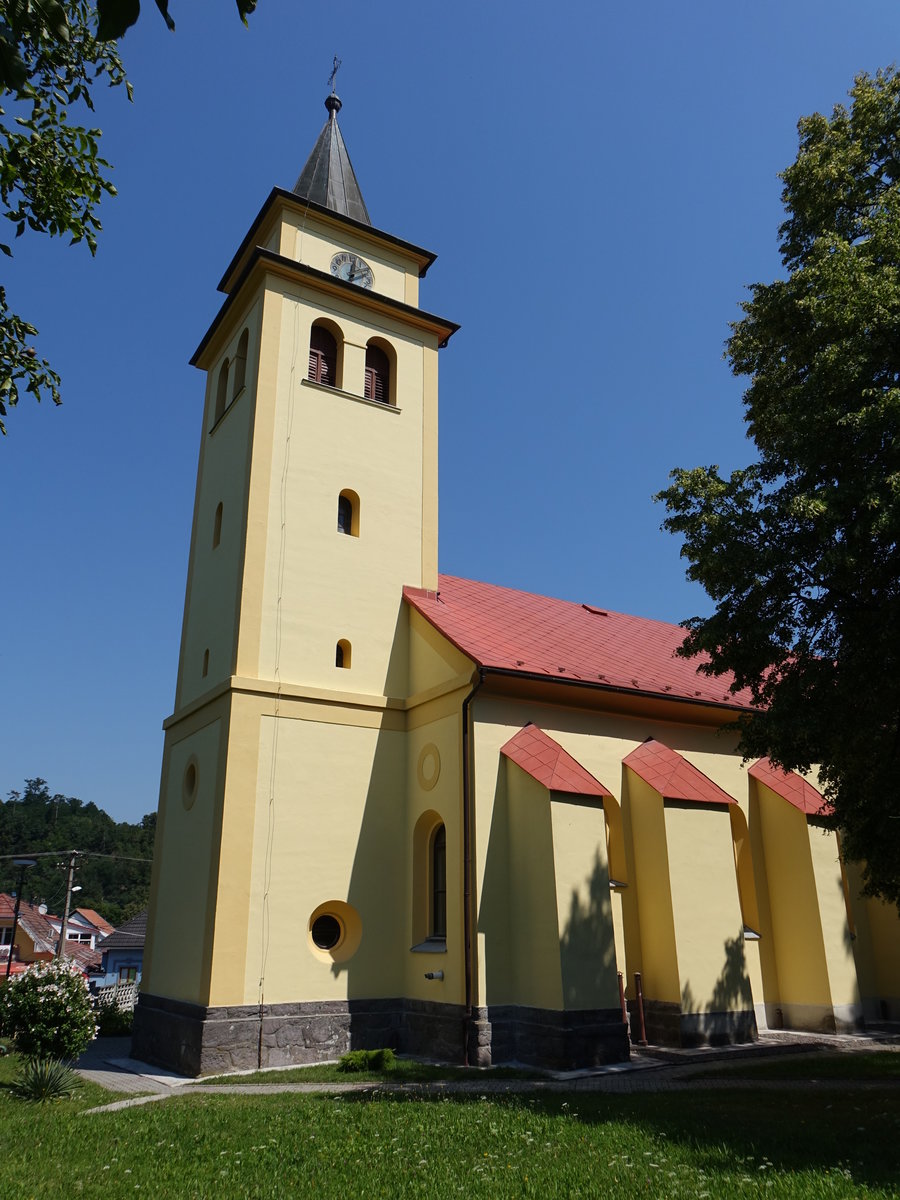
[(352, 269)]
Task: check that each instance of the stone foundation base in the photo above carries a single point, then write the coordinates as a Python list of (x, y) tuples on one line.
[(667, 1025), (542, 1037), (194, 1040)]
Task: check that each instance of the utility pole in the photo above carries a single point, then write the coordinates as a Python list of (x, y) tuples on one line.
[(60, 948)]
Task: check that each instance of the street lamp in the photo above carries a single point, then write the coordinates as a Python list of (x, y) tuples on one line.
[(23, 864)]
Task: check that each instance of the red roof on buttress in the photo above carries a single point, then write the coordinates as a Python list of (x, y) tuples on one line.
[(673, 776), (546, 761), (789, 786), (505, 629)]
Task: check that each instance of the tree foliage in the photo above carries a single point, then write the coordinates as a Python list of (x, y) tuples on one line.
[(52, 177), (34, 821), (801, 550), (117, 16)]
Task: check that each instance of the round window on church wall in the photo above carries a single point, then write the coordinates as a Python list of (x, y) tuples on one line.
[(334, 931), (326, 931), (189, 784)]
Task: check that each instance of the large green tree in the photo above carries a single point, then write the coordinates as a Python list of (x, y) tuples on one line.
[(801, 550), (52, 178)]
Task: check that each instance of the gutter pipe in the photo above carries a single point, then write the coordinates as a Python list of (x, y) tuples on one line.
[(468, 824)]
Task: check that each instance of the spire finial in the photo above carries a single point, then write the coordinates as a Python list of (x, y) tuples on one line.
[(332, 103)]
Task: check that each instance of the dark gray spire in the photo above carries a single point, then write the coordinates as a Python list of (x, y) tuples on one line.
[(328, 178)]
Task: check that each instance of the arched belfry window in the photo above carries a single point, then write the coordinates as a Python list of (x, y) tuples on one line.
[(439, 883), (342, 654), (348, 513), (378, 374), (221, 391), (323, 356), (240, 365)]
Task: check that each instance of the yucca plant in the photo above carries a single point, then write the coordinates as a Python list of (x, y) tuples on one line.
[(43, 1079)]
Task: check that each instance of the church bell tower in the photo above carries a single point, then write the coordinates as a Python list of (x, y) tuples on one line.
[(316, 503)]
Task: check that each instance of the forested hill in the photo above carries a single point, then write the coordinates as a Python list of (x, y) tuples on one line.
[(33, 821)]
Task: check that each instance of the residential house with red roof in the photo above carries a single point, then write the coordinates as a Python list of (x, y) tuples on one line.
[(409, 809), (36, 938)]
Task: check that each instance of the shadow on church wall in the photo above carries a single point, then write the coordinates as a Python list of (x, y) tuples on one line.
[(587, 946), (494, 908), (731, 991), (378, 877)]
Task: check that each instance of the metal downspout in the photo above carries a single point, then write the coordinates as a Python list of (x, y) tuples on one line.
[(468, 915)]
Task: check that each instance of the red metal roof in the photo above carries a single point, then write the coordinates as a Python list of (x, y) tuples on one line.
[(673, 776), (789, 786), (546, 761), (94, 918), (537, 635)]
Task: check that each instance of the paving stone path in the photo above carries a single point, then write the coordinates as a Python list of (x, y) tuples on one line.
[(654, 1070)]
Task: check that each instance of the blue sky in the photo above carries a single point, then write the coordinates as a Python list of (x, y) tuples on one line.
[(599, 182)]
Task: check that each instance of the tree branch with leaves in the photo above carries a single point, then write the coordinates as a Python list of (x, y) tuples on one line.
[(800, 551), (53, 53)]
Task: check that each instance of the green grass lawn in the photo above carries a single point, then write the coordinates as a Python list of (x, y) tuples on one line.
[(708, 1144), (402, 1070), (883, 1064)]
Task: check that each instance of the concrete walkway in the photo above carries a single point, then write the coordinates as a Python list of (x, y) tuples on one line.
[(654, 1069)]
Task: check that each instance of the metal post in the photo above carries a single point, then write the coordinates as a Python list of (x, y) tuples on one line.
[(639, 999), (23, 864), (622, 1004)]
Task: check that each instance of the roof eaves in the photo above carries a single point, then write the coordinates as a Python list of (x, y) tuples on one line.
[(289, 267), (425, 258)]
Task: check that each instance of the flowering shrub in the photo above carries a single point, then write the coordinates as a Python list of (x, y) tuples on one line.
[(48, 1011)]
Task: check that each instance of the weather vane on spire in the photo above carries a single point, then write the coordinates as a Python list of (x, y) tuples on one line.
[(334, 70)]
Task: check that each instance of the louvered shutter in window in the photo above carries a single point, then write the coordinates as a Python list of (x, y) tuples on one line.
[(322, 356), (378, 376)]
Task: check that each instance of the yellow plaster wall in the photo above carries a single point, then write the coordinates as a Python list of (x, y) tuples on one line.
[(214, 575), (706, 909), (536, 975), (185, 870), (433, 661), (336, 830), (644, 910), (314, 242), (333, 586), (803, 996), (839, 960), (434, 784), (884, 926), (652, 891), (586, 939)]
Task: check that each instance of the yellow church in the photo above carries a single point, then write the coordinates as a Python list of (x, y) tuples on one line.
[(405, 809)]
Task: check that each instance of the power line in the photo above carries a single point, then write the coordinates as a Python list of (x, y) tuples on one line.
[(67, 853)]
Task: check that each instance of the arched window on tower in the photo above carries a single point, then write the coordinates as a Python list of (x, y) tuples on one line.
[(342, 653), (323, 356), (378, 374), (221, 391), (240, 365)]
